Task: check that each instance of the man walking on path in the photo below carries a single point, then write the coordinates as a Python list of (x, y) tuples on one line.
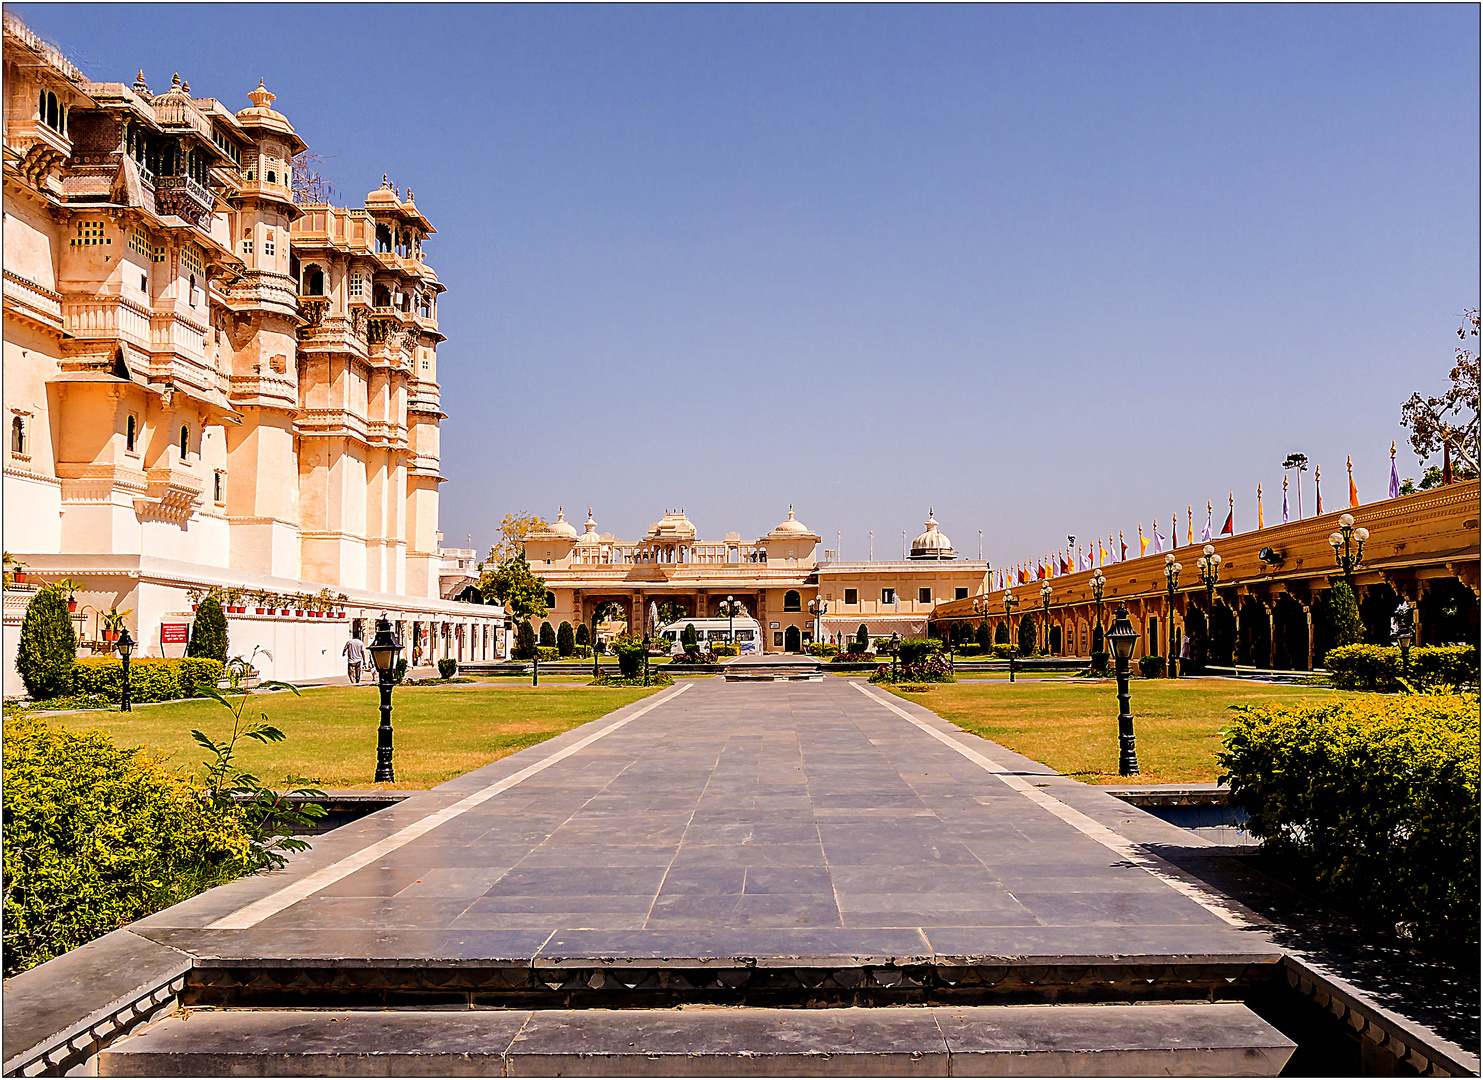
[(355, 656)]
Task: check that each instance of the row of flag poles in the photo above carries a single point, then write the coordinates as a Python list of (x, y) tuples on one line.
[(1066, 561)]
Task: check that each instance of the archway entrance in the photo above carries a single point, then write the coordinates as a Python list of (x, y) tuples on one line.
[(792, 641)]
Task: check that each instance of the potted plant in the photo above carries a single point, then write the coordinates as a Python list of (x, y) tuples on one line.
[(113, 622), (15, 571), (194, 594), (261, 598), (70, 587), (340, 601)]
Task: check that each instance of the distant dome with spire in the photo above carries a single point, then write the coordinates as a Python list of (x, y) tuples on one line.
[(791, 525), (932, 544), (562, 527), (590, 536)]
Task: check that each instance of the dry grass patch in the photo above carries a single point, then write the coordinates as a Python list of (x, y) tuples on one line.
[(1072, 726), (441, 732)]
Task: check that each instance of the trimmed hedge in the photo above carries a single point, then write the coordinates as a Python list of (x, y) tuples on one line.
[(96, 837), (1376, 798), (548, 652), (150, 679), (1378, 667), (447, 668), (1151, 667)]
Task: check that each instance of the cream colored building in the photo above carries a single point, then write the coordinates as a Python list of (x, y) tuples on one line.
[(207, 383), (777, 579)]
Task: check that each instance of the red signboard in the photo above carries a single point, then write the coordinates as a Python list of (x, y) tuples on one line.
[(174, 633)]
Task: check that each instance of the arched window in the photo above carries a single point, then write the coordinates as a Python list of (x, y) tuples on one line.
[(792, 601), (193, 290), (131, 432), (17, 436), (52, 120), (550, 600), (185, 441), (314, 281)]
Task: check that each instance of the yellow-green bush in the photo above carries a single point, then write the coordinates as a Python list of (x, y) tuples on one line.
[(97, 836), (1378, 667), (1377, 797), (150, 679)]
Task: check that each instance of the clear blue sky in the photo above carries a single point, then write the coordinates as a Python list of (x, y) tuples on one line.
[(1048, 269)]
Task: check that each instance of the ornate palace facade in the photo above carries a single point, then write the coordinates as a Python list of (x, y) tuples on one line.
[(778, 579), (207, 382)]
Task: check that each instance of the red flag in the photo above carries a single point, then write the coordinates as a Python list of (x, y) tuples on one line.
[(1229, 528)]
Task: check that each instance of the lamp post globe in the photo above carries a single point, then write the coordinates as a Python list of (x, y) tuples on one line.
[(1349, 547), (384, 649), (1171, 586), (1099, 582), (125, 650), (1122, 637)]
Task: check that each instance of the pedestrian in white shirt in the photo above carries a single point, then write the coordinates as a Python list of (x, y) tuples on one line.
[(355, 656)]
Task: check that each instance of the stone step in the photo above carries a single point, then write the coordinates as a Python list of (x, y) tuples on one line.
[(1223, 1039)]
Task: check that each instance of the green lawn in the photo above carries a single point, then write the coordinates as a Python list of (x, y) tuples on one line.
[(441, 732), (1072, 726)]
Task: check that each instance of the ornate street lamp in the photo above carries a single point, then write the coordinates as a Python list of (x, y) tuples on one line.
[(1098, 583), (1352, 540), (1171, 585), (818, 608), (1045, 591), (125, 650), (1010, 601), (1123, 637), (383, 650), (895, 651), (1209, 564)]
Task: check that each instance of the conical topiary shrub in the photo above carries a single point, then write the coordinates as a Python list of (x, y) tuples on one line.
[(209, 631), (48, 646), (565, 639), (548, 636), (584, 637), (525, 642)]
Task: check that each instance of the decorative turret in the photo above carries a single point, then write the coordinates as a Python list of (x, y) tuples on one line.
[(933, 543)]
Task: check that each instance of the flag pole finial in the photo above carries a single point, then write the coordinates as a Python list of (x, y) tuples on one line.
[(1392, 449)]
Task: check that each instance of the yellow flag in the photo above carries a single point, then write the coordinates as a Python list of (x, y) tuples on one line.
[(1142, 541)]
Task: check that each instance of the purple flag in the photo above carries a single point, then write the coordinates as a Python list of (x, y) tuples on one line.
[(1395, 481)]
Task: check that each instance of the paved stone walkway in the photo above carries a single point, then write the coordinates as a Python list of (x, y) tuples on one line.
[(786, 820)]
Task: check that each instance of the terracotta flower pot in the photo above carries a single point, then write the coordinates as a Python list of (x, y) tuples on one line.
[(71, 605), (298, 613), (260, 611)]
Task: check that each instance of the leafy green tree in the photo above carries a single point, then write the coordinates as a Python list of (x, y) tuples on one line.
[(1001, 633), (512, 585), (1026, 636), (209, 631), (984, 637), (548, 636), (1339, 621), (583, 636), (671, 611), (689, 637), (512, 533), (525, 642), (48, 646), (862, 639), (565, 639)]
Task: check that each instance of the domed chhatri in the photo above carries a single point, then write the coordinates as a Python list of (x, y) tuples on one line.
[(590, 536), (562, 527), (791, 525), (932, 544)]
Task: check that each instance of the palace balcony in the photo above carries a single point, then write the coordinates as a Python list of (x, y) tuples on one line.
[(333, 334), (183, 197), (108, 318), (27, 300)]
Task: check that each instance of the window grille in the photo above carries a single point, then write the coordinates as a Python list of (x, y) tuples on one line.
[(90, 234)]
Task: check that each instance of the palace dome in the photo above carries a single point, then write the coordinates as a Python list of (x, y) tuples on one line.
[(590, 536), (562, 527), (932, 544), (792, 525), (674, 525)]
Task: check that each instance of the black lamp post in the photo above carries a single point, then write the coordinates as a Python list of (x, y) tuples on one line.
[(1010, 600), (1123, 637), (383, 650), (1171, 585), (731, 620), (895, 649), (646, 659), (125, 650), (818, 608), (1352, 540), (1045, 591), (1098, 584)]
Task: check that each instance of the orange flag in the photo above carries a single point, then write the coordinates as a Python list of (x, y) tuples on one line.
[(1353, 491)]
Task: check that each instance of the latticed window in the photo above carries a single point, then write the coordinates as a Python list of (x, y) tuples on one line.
[(357, 283), (268, 246), (159, 253), (139, 242), (89, 234), (190, 258), (247, 246)]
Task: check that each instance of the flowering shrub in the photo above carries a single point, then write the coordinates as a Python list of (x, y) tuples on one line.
[(852, 658), (930, 670), (694, 656)]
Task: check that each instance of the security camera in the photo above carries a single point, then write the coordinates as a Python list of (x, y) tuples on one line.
[(1270, 556)]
